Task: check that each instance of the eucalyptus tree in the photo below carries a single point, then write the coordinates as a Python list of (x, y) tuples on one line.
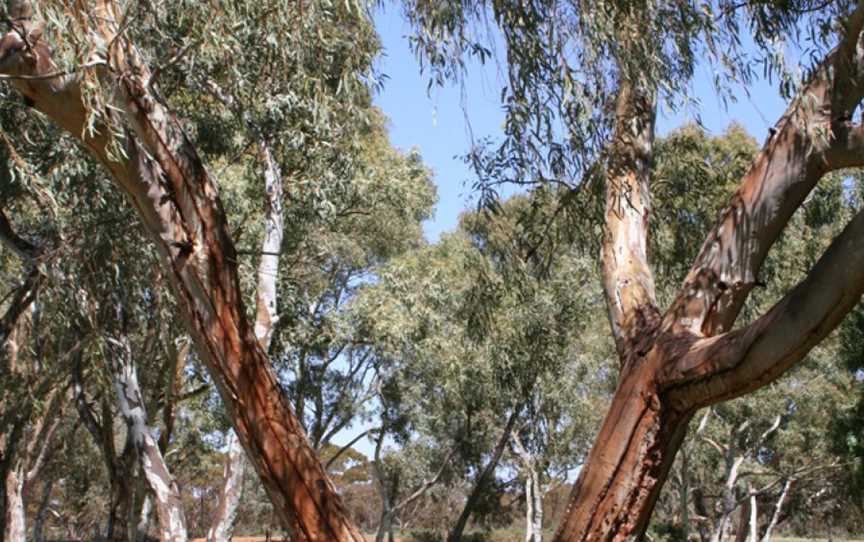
[(474, 330), (583, 83), (95, 72)]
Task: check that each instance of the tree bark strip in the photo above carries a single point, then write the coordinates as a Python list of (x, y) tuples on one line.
[(266, 315)]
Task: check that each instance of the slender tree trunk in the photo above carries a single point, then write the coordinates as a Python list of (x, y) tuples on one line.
[(778, 508), (533, 491), (529, 509), (743, 522), (385, 525), (143, 527), (166, 495), (225, 515), (684, 494), (484, 477), (165, 181), (15, 524), (534, 531), (42, 513), (754, 516)]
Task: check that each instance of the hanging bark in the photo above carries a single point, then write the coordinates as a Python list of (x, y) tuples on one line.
[(166, 183), (266, 315), (688, 358)]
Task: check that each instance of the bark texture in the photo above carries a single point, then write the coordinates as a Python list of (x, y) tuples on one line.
[(266, 315), (225, 515), (689, 357), (177, 202), (533, 491)]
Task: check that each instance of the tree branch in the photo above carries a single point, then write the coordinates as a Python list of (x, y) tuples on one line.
[(733, 364), (812, 138)]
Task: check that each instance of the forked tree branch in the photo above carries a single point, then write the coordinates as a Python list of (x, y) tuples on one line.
[(732, 364)]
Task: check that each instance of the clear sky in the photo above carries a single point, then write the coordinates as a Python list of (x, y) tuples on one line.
[(435, 124)]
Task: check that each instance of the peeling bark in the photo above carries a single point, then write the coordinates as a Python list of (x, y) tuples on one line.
[(266, 315), (628, 281), (688, 359), (165, 181)]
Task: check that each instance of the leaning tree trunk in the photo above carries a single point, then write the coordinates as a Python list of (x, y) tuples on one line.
[(266, 312), (165, 181), (483, 478), (672, 364), (778, 508)]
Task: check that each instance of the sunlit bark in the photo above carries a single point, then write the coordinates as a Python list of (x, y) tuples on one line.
[(165, 181), (166, 494), (689, 358), (266, 315)]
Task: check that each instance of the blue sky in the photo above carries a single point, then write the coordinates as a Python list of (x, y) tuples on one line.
[(435, 123)]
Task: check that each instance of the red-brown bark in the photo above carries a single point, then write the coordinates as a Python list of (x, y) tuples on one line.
[(178, 204), (689, 358)]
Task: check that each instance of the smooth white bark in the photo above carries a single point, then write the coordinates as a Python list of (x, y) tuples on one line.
[(166, 494)]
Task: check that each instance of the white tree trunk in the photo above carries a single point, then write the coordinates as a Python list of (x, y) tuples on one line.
[(729, 502), (266, 314), (225, 516), (754, 516), (16, 527), (534, 529), (144, 519), (775, 517), (166, 494), (533, 491)]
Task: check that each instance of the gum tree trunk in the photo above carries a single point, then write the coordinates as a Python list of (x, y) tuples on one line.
[(483, 478), (15, 524), (266, 315), (166, 494), (178, 204), (689, 357)]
